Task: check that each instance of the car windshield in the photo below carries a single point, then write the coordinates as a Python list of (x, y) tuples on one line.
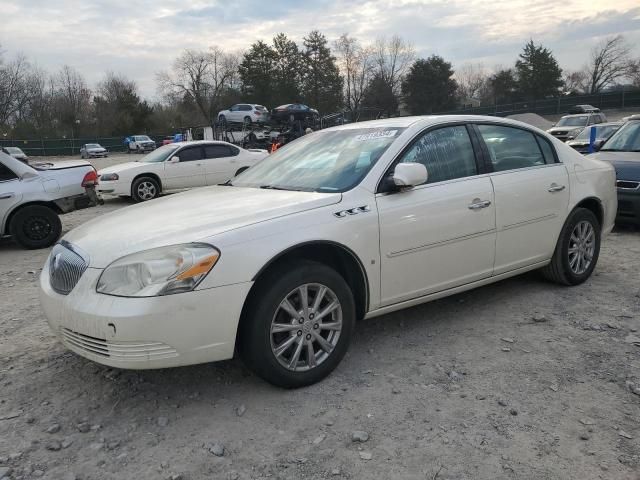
[(602, 132), (580, 121), (92, 145), (330, 161), (627, 139), (142, 138), (160, 154), (13, 150)]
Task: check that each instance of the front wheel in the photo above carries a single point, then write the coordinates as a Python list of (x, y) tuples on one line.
[(577, 250), (144, 188), (35, 226), (298, 325)]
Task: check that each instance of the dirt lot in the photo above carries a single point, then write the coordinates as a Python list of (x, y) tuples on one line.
[(469, 387)]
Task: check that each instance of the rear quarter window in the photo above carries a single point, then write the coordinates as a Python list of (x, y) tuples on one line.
[(547, 150)]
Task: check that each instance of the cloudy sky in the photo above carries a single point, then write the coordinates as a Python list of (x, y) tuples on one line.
[(141, 37)]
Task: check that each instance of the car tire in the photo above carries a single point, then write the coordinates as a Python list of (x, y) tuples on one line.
[(35, 226), (293, 355), (577, 250), (144, 189), (247, 120), (222, 120)]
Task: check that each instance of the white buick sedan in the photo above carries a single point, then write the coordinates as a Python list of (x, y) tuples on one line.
[(346, 223), (177, 166)]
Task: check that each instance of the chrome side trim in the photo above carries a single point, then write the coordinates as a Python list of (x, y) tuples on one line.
[(440, 243), (528, 222)]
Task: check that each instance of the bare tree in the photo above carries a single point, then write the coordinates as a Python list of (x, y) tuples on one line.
[(14, 91), (356, 64), (393, 58), (202, 76), (609, 62), (71, 99), (634, 72), (472, 79), (575, 82)]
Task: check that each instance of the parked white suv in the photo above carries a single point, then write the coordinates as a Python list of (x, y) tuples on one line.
[(349, 222), (140, 144), (31, 197), (244, 112)]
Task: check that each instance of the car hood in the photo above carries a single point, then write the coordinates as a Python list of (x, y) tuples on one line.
[(122, 167), (192, 216), (627, 164), (562, 129)]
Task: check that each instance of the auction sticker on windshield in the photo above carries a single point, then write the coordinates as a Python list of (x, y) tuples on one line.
[(375, 135)]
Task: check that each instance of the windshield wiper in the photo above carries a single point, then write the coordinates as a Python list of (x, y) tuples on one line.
[(273, 187), (226, 184)]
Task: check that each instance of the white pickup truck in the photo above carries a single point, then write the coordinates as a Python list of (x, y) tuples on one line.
[(32, 197)]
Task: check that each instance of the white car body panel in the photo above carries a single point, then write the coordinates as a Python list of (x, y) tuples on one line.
[(412, 246), (59, 183)]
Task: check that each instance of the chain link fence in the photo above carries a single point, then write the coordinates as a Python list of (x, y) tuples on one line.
[(558, 105), (46, 147)]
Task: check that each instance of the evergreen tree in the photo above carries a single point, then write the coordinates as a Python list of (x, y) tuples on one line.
[(538, 72), (429, 86), (286, 70), (379, 95), (504, 86), (321, 80), (257, 73)]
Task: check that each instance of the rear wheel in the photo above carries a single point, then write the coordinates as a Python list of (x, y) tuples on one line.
[(145, 188), (35, 226), (247, 120), (577, 251), (298, 325)]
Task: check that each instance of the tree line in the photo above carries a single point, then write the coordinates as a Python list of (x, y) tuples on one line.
[(341, 75)]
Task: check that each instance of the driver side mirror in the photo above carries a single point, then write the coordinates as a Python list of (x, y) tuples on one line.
[(174, 159), (407, 175), (597, 145)]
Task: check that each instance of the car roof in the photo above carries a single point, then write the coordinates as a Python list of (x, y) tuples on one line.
[(427, 120), (578, 114), (202, 142)]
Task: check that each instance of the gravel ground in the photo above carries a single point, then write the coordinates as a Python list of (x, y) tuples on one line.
[(520, 379)]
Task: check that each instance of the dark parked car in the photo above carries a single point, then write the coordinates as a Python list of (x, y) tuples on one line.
[(622, 150), (604, 131), (583, 109), (295, 111)]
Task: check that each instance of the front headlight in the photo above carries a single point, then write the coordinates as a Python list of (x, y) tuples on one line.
[(109, 177), (159, 271)]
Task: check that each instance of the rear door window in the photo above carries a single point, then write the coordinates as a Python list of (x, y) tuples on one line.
[(217, 151), (511, 148)]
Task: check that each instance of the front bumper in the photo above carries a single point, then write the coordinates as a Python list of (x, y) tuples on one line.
[(115, 187), (144, 333), (628, 207)]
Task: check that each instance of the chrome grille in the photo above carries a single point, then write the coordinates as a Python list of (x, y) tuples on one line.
[(66, 266), (627, 184), (130, 351)]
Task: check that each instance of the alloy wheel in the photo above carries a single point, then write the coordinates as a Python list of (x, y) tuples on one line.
[(306, 327), (582, 244), (146, 190)]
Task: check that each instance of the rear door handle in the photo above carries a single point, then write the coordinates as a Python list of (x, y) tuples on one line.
[(6, 195), (478, 204), (556, 188)]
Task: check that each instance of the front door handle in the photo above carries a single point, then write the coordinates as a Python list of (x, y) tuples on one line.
[(556, 188), (478, 204), (4, 196)]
